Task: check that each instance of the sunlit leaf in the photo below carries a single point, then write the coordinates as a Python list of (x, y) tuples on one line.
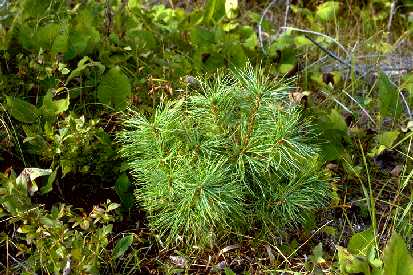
[(396, 257), (328, 10)]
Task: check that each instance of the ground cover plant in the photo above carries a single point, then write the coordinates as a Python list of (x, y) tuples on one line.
[(216, 136)]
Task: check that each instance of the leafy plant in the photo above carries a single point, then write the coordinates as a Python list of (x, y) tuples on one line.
[(56, 240), (361, 256), (233, 154)]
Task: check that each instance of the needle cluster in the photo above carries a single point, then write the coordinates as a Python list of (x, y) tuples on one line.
[(232, 155)]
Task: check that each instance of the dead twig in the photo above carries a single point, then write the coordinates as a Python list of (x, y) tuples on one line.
[(260, 24), (391, 15)]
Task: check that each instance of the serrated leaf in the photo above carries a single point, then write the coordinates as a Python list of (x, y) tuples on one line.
[(21, 110), (114, 89), (122, 245), (396, 257)]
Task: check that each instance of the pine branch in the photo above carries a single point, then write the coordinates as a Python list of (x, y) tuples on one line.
[(232, 155)]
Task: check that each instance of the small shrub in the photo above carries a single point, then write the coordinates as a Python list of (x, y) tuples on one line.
[(232, 155)]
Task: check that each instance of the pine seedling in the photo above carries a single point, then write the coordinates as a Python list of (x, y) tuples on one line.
[(233, 154)]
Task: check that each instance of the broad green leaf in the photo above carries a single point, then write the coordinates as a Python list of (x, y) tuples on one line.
[(251, 42), (61, 42), (317, 256), (389, 100), (122, 188), (396, 257), (337, 121), (113, 206), (84, 37), (49, 185), (231, 8), (209, 10), (362, 242), (348, 263), (51, 108), (387, 138), (35, 8), (27, 177), (48, 222), (214, 10), (82, 65), (46, 35), (202, 38), (114, 89), (122, 245), (328, 10), (230, 26), (134, 4), (21, 110)]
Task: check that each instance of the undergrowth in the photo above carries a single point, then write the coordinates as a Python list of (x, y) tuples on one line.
[(303, 166)]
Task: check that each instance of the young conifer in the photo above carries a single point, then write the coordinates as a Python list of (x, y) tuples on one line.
[(235, 153)]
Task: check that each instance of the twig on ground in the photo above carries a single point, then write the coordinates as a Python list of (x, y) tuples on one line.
[(409, 112), (304, 243), (287, 9), (319, 34), (338, 102), (260, 24), (391, 15), (328, 52), (361, 107)]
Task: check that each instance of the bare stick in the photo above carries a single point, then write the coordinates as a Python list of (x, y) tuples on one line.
[(361, 107), (328, 52), (319, 34), (391, 15), (260, 23), (406, 104), (287, 9), (338, 102)]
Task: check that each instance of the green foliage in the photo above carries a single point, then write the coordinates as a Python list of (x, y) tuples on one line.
[(389, 99), (396, 257), (70, 237), (361, 256), (114, 89), (124, 189), (122, 245), (328, 10), (21, 110), (233, 150), (72, 146)]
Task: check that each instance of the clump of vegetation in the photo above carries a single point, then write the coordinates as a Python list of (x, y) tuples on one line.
[(234, 149)]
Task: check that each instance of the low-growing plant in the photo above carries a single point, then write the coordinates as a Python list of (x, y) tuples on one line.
[(235, 154), (55, 241)]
